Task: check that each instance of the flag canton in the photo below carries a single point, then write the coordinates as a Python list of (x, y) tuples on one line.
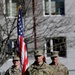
[(20, 25)]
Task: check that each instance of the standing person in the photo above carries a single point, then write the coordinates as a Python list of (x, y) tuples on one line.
[(39, 67), (58, 68), (15, 68)]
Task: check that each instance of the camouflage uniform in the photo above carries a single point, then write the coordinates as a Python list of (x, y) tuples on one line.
[(39, 69), (60, 69), (35, 69), (13, 71)]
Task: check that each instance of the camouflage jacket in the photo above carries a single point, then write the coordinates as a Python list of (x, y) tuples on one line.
[(60, 69), (13, 71), (35, 69)]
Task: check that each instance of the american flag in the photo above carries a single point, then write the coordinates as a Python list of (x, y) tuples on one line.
[(21, 43)]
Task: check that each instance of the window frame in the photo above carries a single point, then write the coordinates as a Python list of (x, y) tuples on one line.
[(12, 46), (11, 7), (50, 9), (50, 46)]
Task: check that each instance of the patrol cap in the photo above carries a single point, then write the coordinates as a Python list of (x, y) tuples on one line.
[(54, 54), (38, 52), (16, 58)]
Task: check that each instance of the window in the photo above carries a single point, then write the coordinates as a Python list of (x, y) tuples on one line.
[(12, 46), (10, 8), (54, 7), (56, 44)]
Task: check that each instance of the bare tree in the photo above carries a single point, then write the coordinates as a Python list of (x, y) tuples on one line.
[(45, 26)]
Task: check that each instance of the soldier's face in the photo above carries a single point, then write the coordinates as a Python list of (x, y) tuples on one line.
[(39, 58), (55, 59), (16, 62)]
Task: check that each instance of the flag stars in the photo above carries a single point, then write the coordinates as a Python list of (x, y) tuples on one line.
[(19, 30), (19, 19), (20, 25), (21, 33), (19, 15)]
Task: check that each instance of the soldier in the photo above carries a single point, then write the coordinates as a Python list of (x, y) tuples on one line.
[(15, 68), (58, 68), (39, 67)]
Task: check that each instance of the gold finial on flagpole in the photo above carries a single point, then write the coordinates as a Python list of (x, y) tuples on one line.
[(18, 10), (19, 7)]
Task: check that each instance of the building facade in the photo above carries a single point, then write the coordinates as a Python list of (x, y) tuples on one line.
[(55, 27)]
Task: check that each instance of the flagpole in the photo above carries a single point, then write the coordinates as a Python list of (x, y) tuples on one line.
[(34, 21)]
